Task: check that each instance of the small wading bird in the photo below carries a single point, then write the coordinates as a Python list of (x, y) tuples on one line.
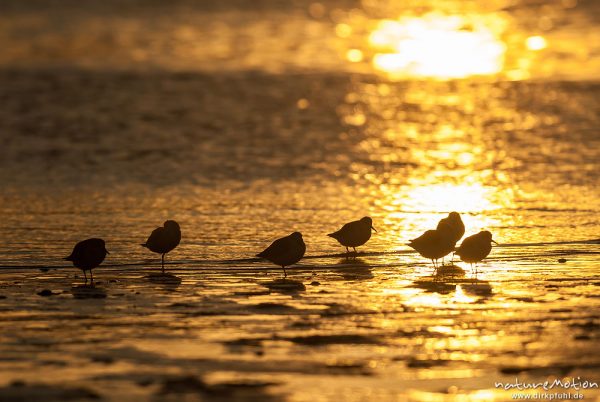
[(455, 229), (456, 226), (475, 248), (434, 244), (354, 234), (87, 255), (164, 239), (285, 251)]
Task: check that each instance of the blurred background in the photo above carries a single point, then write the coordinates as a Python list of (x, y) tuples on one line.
[(298, 115)]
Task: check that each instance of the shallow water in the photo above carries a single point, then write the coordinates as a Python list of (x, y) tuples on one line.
[(245, 123)]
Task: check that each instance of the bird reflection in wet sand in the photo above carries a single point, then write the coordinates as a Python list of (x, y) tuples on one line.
[(354, 269), (285, 251), (455, 227), (87, 255), (164, 239), (435, 244), (354, 234), (475, 248)]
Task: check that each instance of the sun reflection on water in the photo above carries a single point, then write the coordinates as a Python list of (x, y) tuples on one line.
[(461, 297), (438, 46), (472, 198), (422, 204)]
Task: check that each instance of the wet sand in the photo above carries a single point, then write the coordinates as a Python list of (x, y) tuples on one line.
[(375, 328), (241, 173), (378, 326)]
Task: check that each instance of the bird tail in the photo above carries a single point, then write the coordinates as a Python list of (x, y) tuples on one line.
[(69, 258), (260, 255), (144, 245)]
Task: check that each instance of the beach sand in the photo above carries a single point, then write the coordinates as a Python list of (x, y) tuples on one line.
[(378, 326)]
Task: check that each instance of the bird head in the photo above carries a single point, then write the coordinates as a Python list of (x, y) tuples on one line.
[(455, 216), (296, 235), (171, 225), (487, 235), (101, 244), (104, 246), (367, 221)]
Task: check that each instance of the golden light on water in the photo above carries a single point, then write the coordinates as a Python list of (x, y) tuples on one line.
[(536, 43), (421, 205), (473, 201), (473, 198), (438, 46), (354, 55), (461, 297), (343, 30)]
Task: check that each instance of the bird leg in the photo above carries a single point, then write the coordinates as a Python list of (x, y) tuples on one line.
[(85, 275), (162, 260), (92, 276), (284, 273)]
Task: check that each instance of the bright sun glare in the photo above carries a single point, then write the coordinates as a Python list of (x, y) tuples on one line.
[(437, 46), (422, 205), (474, 198)]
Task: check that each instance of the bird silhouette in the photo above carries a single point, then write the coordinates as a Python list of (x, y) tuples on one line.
[(434, 244), (456, 226), (476, 247), (354, 234), (285, 251), (87, 255), (164, 239), (455, 229)]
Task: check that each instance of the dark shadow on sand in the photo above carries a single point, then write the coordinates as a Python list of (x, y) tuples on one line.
[(166, 280), (245, 390), (88, 292), (22, 391), (284, 285)]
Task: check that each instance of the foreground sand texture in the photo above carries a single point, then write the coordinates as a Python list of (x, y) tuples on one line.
[(375, 327)]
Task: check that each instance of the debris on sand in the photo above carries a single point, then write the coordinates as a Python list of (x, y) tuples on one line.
[(46, 292)]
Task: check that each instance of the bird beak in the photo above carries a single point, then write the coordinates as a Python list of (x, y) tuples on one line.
[(373, 228), (493, 241), (106, 251)]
